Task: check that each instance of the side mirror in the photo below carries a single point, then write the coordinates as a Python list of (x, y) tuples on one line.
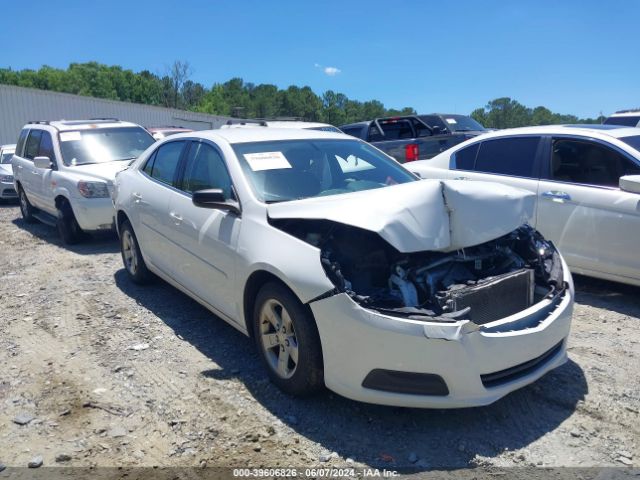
[(630, 183), (214, 198), (436, 130), (42, 162)]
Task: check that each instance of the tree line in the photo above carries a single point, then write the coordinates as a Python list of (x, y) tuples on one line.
[(237, 98)]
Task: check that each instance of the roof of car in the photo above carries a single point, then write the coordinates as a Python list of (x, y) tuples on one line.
[(65, 125), (626, 113), (276, 124), (261, 134), (615, 131)]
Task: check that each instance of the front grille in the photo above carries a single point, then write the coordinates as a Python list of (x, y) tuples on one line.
[(496, 379), (492, 299)]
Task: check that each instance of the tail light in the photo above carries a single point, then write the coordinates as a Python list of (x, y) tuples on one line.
[(411, 152)]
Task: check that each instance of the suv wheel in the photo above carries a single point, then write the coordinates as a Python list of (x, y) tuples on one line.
[(131, 255), (26, 208), (288, 341), (68, 228)]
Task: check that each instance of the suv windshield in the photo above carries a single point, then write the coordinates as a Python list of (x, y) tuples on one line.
[(294, 169), (100, 145), (632, 141), (6, 157), (628, 121)]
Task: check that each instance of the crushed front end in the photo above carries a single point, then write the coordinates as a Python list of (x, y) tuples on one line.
[(437, 329)]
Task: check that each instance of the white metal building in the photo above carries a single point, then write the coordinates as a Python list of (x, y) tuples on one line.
[(19, 105)]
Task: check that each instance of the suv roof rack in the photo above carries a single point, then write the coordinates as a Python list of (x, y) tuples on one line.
[(39, 122), (262, 123), (165, 126), (631, 110), (104, 119), (281, 119), (90, 120)]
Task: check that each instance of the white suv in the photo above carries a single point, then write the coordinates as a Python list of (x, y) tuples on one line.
[(64, 171)]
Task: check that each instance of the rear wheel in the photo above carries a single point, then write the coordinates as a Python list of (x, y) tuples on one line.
[(288, 341), (131, 255), (68, 228), (26, 208)]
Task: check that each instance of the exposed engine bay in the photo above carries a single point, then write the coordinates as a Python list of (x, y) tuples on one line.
[(482, 283)]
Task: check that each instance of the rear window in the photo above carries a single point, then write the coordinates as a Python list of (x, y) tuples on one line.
[(508, 156), (465, 159), (624, 121)]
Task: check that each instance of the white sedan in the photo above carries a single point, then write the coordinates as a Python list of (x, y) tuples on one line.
[(586, 179), (346, 269)]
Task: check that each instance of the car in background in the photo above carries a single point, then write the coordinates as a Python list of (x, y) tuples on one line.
[(347, 270), (323, 127), (627, 118), (586, 179), (162, 132), (415, 137), (64, 170), (6, 173)]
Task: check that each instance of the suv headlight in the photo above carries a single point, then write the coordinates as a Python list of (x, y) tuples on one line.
[(93, 189), (6, 178)]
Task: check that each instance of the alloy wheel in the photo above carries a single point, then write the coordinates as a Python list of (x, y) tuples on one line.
[(278, 338)]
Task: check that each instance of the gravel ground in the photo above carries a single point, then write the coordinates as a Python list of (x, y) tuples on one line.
[(96, 371)]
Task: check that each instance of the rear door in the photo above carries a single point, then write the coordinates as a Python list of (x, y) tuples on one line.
[(514, 161), (151, 202), (582, 209), (30, 177), (205, 240)]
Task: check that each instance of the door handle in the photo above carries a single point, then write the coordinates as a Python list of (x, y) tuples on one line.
[(176, 217), (137, 197), (462, 178), (554, 195)]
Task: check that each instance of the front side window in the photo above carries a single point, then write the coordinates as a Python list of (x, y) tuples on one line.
[(162, 165), (633, 141), (32, 146), (588, 163), (101, 145), (294, 169), (46, 147), (513, 156), (205, 169)]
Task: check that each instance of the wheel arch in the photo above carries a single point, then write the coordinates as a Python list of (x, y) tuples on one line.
[(252, 286)]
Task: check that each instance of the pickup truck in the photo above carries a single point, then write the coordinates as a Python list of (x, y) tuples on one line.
[(415, 137)]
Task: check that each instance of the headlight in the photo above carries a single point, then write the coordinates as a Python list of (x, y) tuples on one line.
[(6, 178), (93, 189)]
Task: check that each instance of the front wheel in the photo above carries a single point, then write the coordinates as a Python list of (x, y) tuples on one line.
[(288, 341), (26, 208), (68, 228), (131, 255)]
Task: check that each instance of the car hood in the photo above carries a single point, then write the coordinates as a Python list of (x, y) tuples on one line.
[(6, 169), (101, 171), (427, 215)]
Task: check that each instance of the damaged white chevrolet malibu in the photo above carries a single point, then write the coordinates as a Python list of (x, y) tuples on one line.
[(346, 269)]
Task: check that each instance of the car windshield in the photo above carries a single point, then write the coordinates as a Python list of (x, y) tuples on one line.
[(462, 123), (632, 141), (6, 157), (294, 169), (100, 145)]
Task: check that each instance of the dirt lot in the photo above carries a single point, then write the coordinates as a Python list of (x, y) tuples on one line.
[(103, 372)]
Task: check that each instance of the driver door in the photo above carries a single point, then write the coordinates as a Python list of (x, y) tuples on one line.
[(207, 238)]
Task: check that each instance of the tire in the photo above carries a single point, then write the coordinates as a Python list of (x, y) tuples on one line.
[(68, 228), (26, 208), (132, 256), (276, 307)]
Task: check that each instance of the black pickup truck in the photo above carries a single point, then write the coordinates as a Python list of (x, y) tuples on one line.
[(415, 137)]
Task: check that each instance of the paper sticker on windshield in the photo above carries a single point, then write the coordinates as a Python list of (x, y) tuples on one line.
[(70, 136), (267, 161), (451, 121)]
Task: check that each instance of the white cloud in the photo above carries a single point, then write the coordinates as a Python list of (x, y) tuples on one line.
[(331, 71)]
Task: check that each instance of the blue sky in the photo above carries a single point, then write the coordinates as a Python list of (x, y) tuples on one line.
[(572, 56)]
